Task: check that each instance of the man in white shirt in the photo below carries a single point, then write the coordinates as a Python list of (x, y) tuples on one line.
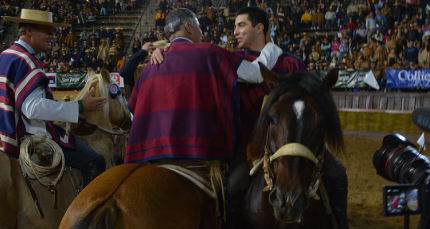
[(28, 107), (330, 17)]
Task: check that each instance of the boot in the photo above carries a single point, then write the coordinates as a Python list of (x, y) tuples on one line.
[(92, 170), (336, 182)]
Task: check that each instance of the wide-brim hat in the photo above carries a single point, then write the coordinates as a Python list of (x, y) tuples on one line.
[(159, 43), (66, 97), (35, 17)]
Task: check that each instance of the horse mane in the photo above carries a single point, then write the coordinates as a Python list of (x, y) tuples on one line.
[(305, 84), (103, 89)]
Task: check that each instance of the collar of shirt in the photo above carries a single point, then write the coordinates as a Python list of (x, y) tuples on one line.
[(181, 39), (26, 46)]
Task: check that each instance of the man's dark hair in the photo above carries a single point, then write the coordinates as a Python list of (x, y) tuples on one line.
[(255, 16)]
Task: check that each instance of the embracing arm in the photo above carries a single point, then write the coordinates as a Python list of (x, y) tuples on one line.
[(249, 72), (127, 71)]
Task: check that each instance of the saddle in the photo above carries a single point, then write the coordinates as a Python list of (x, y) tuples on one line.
[(207, 175)]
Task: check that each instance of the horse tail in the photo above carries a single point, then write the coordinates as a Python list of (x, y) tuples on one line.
[(101, 215)]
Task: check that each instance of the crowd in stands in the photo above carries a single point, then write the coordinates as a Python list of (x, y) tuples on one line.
[(8, 8), (351, 35), (94, 47)]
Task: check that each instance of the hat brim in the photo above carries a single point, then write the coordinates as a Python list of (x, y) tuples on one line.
[(19, 20)]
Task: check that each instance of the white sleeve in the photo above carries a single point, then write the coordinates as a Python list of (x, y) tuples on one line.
[(250, 72), (36, 106)]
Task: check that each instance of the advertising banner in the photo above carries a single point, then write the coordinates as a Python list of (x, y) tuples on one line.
[(401, 78), (52, 80), (117, 78), (71, 80), (349, 79)]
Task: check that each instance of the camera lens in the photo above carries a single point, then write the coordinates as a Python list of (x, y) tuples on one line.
[(398, 160)]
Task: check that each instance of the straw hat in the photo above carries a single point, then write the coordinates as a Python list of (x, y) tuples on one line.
[(108, 28), (35, 17), (88, 50), (159, 43), (66, 97), (119, 28)]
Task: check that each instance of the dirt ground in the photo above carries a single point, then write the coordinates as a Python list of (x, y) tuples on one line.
[(365, 185)]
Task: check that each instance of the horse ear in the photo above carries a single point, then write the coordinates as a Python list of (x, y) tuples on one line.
[(105, 75), (90, 73), (331, 78), (269, 77)]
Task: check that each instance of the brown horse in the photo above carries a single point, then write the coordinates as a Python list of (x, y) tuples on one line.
[(114, 114), (17, 208), (141, 196), (299, 116)]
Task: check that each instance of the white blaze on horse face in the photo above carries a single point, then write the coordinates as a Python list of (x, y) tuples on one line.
[(299, 106)]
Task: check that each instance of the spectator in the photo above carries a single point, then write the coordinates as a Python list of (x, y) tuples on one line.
[(103, 51), (306, 19), (91, 20), (424, 54), (121, 63), (136, 45), (64, 67), (326, 48), (81, 19), (159, 18), (379, 18), (335, 49), (411, 53), (352, 9), (70, 39), (330, 17), (76, 59), (370, 26), (318, 19), (273, 30)]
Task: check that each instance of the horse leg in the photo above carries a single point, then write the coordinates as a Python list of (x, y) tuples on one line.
[(8, 194)]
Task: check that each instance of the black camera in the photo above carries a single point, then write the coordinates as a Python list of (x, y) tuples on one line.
[(400, 161)]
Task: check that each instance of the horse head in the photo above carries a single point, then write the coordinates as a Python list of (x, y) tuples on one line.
[(115, 114), (296, 124)]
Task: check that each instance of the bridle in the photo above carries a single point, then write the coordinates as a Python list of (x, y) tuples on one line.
[(292, 149)]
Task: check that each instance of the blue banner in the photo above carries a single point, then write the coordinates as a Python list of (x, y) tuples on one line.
[(401, 78)]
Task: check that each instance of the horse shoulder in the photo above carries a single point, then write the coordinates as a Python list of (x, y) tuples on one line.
[(9, 171)]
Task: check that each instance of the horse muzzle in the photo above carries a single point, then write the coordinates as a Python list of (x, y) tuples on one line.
[(288, 206)]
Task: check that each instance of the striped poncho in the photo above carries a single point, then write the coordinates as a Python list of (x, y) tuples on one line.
[(186, 107), (20, 72)]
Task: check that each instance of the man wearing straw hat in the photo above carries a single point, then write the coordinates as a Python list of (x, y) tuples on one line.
[(27, 106)]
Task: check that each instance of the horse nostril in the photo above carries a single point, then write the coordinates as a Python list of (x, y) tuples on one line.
[(276, 198)]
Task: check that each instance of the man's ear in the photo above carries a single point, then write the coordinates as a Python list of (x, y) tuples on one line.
[(187, 27), (260, 28), (29, 31)]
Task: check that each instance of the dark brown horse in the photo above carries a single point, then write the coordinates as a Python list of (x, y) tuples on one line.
[(300, 110)]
